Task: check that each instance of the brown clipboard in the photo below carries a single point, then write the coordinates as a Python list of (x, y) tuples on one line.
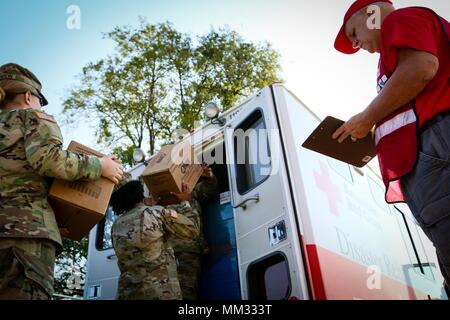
[(357, 153)]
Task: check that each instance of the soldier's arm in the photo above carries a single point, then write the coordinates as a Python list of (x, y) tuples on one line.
[(178, 225), (205, 189), (43, 147)]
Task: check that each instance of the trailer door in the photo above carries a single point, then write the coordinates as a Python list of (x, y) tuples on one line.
[(266, 232)]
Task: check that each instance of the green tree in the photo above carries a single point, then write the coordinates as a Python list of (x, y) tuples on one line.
[(227, 69), (127, 93), (70, 268), (158, 80)]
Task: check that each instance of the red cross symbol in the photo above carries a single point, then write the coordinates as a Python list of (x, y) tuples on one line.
[(324, 183)]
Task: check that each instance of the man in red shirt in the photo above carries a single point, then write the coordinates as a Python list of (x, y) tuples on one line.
[(411, 111)]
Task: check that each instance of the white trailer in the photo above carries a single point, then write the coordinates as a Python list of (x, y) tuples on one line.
[(290, 223)]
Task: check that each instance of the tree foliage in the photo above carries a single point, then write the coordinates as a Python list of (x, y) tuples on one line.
[(70, 268), (159, 79)]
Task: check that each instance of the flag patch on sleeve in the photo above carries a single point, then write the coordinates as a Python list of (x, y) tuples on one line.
[(45, 116)]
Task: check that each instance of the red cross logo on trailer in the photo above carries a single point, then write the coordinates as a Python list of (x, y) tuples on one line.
[(324, 183)]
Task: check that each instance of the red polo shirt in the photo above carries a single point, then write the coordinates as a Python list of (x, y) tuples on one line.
[(419, 29)]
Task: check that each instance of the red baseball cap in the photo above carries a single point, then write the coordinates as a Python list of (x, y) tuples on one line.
[(342, 43)]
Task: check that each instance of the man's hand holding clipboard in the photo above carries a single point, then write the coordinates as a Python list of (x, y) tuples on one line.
[(357, 152)]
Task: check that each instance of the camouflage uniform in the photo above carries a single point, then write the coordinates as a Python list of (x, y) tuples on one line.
[(189, 252), (30, 151), (26, 269), (146, 259)]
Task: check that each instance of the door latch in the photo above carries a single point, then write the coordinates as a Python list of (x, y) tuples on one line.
[(243, 204)]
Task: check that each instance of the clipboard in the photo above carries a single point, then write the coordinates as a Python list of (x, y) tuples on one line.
[(357, 153)]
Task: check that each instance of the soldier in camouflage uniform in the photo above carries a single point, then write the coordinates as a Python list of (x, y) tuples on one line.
[(30, 151), (189, 253), (145, 257)]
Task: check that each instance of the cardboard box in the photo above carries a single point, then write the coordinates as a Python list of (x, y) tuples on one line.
[(80, 205), (173, 165)]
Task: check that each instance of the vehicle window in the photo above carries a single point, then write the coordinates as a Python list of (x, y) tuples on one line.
[(252, 153), (269, 279)]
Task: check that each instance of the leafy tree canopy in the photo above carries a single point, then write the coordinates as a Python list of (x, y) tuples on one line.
[(159, 79)]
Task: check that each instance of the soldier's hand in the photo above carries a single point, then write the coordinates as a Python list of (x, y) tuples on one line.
[(185, 195), (111, 169), (207, 171), (113, 157)]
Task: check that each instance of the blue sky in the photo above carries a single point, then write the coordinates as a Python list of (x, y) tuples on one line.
[(34, 34)]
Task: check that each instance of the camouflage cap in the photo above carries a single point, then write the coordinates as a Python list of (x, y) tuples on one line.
[(15, 72)]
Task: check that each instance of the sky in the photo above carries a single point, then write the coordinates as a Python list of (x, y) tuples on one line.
[(34, 34)]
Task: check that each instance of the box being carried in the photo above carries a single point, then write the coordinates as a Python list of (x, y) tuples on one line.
[(80, 205), (173, 165)]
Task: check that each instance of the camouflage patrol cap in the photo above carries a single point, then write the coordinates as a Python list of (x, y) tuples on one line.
[(15, 72)]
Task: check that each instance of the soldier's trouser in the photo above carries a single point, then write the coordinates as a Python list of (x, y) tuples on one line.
[(188, 274), (26, 269), (427, 190)]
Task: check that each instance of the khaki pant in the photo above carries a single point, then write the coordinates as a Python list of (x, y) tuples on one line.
[(26, 269)]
